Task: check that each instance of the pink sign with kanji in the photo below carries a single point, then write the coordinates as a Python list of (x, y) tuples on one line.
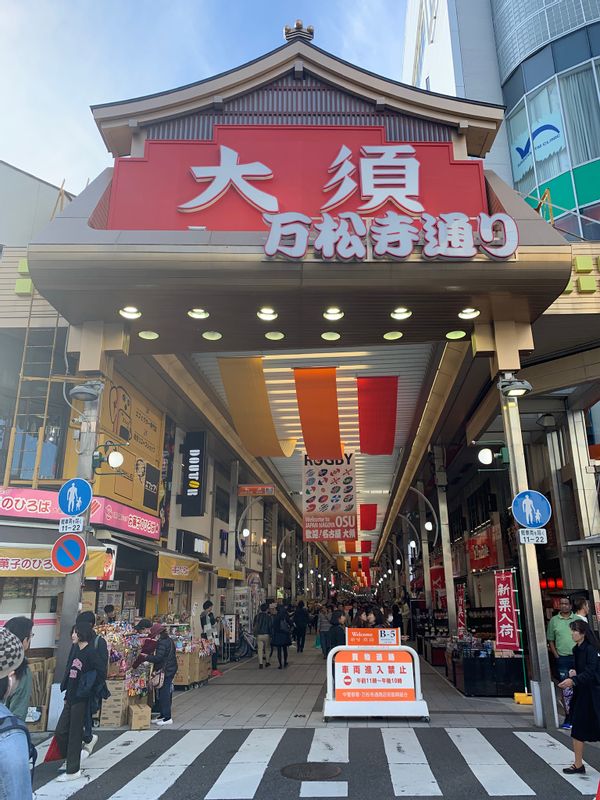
[(507, 627), (461, 614)]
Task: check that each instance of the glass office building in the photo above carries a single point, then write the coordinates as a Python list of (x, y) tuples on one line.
[(549, 63)]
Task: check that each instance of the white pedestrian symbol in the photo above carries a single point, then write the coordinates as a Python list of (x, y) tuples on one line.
[(73, 498), (79, 503), (528, 509)]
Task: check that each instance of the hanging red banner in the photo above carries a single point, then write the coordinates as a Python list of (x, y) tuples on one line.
[(507, 629), (461, 614), (368, 516), (377, 401)]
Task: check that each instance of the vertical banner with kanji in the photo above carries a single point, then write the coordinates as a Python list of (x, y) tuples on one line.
[(507, 629), (461, 614), (329, 500)]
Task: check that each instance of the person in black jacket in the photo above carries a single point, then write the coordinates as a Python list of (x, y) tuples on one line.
[(282, 635), (164, 659), (584, 679), (301, 620), (79, 684), (263, 628), (337, 632), (101, 691)]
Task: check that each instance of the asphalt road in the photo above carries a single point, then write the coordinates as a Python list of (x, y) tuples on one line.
[(244, 764)]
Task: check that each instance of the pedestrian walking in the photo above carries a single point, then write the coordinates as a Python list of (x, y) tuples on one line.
[(560, 642), (15, 743), (18, 702), (164, 660), (301, 620), (581, 608), (263, 630), (396, 621), (210, 632), (375, 618), (337, 632), (585, 703), (282, 636), (323, 628), (100, 692), (84, 666)]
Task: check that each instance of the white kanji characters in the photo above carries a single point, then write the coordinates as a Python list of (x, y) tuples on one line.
[(343, 169), (342, 237), (394, 235), (230, 173), (288, 235), (486, 235), (503, 589), (507, 630), (393, 175), (449, 235)]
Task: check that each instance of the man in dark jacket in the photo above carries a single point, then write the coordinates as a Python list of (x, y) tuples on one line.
[(301, 620), (210, 632), (337, 632), (263, 630), (100, 691), (164, 659)]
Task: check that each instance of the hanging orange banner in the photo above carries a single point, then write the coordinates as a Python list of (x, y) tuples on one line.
[(316, 392)]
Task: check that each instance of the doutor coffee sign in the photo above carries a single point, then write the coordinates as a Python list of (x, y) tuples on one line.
[(193, 483)]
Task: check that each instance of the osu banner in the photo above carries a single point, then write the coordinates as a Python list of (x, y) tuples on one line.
[(507, 628), (374, 676), (329, 499)]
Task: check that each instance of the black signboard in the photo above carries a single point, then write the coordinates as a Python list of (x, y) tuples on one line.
[(193, 478)]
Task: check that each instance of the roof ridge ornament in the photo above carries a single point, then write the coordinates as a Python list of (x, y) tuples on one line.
[(298, 31)]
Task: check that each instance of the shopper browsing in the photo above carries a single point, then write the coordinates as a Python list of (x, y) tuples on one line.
[(15, 744), (18, 702), (583, 681), (164, 660)]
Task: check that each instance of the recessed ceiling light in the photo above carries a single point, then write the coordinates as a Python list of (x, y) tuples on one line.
[(267, 314), (333, 314), (331, 336), (274, 336), (401, 313), (452, 335), (148, 335), (212, 336), (130, 312), (198, 313), (469, 313), (391, 336)]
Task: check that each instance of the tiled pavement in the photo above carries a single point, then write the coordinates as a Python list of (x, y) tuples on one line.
[(246, 697)]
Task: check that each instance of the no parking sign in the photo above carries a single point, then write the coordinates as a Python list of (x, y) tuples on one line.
[(69, 553)]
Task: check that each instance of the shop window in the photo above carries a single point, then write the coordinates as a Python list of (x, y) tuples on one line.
[(582, 114), (221, 504), (521, 155), (591, 225), (547, 132), (29, 426)]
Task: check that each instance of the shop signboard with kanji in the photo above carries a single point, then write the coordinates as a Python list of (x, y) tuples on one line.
[(329, 499), (374, 676), (507, 628), (346, 191), (390, 637), (461, 613), (483, 553)]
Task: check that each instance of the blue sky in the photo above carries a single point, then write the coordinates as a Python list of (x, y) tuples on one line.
[(58, 57)]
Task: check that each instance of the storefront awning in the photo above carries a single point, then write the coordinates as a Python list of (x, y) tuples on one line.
[(177, 567)]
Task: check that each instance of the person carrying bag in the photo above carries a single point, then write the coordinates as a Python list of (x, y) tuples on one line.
[(164, 661)]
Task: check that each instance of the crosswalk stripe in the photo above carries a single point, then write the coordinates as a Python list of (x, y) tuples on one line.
[(330, 744), (167, 768), (402, 749), (557, 756), (324, 789), (486, 763), (98, 763), (241, 777)]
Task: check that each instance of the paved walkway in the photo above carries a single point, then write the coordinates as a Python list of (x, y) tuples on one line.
[(246, 697)]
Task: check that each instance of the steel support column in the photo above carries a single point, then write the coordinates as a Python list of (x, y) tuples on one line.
[(441, 483), (274, 543), (425, 549), (542, 688)]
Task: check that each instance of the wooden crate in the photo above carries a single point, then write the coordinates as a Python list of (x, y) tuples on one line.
[(139, 717), (114, 710), (184, 670)]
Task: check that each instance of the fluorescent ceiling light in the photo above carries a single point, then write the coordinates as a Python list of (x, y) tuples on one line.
[(148, 335), (212, 336), (267, 314), (130, 312), (305, 356), (274, 336), (454, 335), (198, 313), (469, 313), (401, 313)]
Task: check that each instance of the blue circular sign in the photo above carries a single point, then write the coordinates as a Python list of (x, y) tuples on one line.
[(74, 497), (531, 509)]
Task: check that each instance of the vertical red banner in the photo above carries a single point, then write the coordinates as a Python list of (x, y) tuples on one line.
[(507, 628), (461, 613)]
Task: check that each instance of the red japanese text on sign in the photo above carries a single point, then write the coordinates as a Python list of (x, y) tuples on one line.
[(507, 628)]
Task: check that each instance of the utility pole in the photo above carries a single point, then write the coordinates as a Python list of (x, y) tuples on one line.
[(89, 393), (441, 483), (425, 549), (544, 702)]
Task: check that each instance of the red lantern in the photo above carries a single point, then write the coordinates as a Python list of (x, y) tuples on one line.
[(543, 583), (560, 584), (551, 583)]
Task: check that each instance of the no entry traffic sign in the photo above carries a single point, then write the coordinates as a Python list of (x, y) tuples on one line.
[(69, 553)]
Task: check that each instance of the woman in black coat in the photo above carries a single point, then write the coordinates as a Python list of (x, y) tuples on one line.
[(281, 637), (164, 658), (585, 706)]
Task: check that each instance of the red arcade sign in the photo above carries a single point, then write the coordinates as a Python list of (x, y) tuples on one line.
[(347, 188)]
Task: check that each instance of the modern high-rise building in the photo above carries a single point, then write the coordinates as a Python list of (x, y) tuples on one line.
[(541, 60)]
